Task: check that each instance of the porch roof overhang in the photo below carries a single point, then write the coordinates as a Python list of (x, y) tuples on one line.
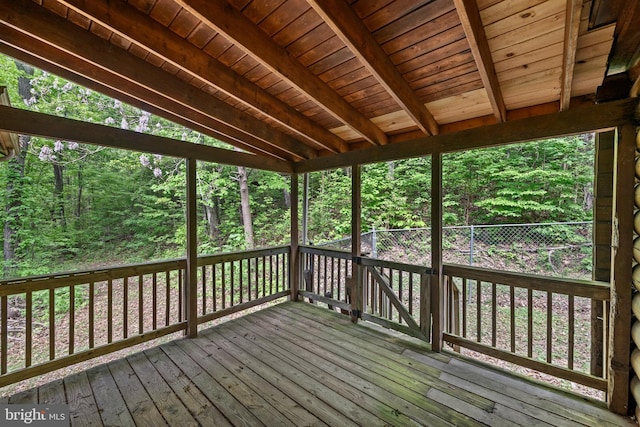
[(307, 85)]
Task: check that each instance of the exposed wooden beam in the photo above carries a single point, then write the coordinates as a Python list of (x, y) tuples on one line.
[(126, 92), (231, 23), (474, 30), (626, 49), (571, 29), (133, 25), (573, 121), (342, 19), (29, 18), (38, 124)]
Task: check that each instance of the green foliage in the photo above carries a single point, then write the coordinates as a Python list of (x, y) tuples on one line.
[(74, 205)]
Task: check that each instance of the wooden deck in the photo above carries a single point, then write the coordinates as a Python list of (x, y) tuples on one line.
[(295, 365)]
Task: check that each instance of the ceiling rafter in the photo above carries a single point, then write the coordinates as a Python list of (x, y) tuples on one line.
[(32, 123), (132, 24), (188, 118), (26, 16), (229, 22), (352, 31), (474, 30), (571, 30)]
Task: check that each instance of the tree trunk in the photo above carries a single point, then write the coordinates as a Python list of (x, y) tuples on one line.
[(213, 218), (59, 194), (14, 183), (247, 222)]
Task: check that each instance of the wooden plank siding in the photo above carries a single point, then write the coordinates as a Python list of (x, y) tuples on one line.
[(297, 364)]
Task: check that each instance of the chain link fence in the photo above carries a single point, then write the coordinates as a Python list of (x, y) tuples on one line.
[(562, 249)]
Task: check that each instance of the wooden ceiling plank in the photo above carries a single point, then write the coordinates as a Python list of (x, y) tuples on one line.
[(574, 121), (38, 124), (128, 92), (235, 26), (473, 28), (352, 31), (29, 18), (572, 25), (130, 23)]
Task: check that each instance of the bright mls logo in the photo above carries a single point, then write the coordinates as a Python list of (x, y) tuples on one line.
[(34, 415)]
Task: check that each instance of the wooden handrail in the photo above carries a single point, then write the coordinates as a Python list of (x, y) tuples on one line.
[(580, 288), (254, 277)]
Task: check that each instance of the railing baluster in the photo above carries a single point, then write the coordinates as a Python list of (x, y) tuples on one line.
[(28, 329), (140, 304), (154, 301), (249, 280), (276, 266), (52, 324), (125, 307), (91, 314), (204, 289), (571, 332), (264, 275), (109, 311), (241, 277), (493, 314), (167, 297), (270, 274), (512, 318), (549, 325), (4, 333), (181, 274), (223, 276), (529, 323), (72, 317), (478, 311), (464, 306), (214, 291)]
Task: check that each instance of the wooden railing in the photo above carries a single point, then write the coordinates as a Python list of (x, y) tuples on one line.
[(394, 295), (53, 321), (233, 282), (325, 276), (532, 321), (397, 296)]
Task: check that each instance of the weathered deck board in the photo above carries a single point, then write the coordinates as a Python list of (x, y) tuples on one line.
[(297, 364)]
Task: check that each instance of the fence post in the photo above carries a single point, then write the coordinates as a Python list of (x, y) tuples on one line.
[(374, 243)]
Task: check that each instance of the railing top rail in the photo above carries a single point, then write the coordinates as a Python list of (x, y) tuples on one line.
[(50, 281), (234, 256), (376, 262), (581, 288), (315, 250)]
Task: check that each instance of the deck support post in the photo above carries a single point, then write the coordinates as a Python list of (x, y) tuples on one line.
[(621, 266), (305, 209), (437, 295), (603, 193), (191, 276), (356, 246), (294, 262)]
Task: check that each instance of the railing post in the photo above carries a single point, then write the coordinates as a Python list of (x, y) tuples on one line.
[(294, 263), (603, 193), (356, 237), (437, 296), (191, 272), (621, 282)]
